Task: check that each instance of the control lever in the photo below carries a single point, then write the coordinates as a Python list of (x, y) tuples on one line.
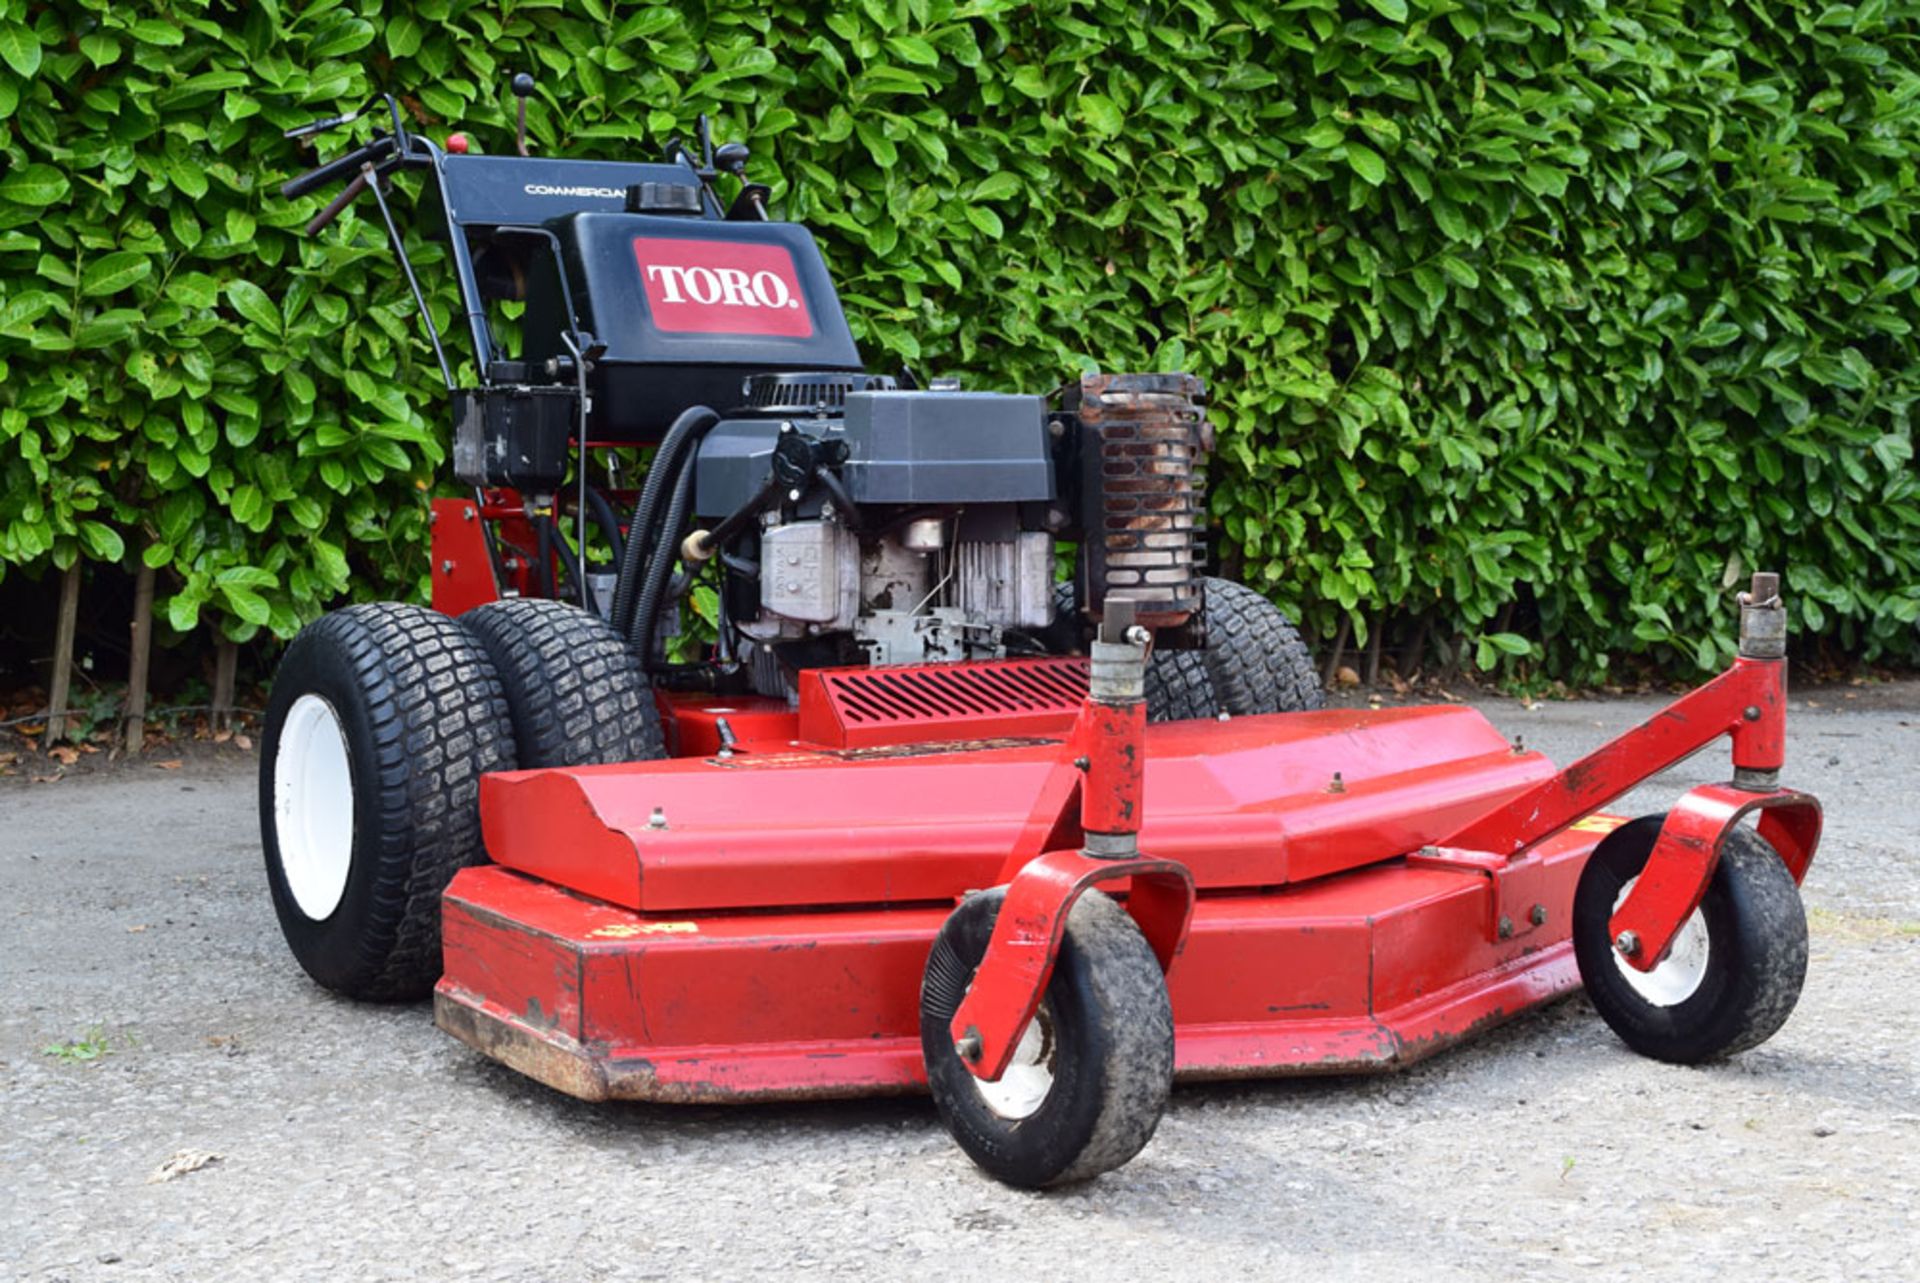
[(522, 89)]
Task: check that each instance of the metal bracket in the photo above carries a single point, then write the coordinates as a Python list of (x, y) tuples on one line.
[(1687, 852), (1516, 887), (1020, 957)]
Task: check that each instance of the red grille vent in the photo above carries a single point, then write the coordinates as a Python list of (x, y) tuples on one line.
[(873, 707)]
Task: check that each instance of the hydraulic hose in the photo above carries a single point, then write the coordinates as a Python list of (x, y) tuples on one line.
[(666, 550), (692, 423), (609, 522)]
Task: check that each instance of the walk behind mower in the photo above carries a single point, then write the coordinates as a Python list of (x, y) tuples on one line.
[(913, 817)]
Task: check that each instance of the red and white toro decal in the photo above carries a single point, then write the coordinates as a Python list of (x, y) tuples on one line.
[(722, 287)]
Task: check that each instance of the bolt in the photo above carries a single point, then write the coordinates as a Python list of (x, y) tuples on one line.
[(793, 496), (1226, 717), (658, 820), (446, 567), (1338, 785), (1082, 764), (1538, 915), (1430, 851), (1506, 927), (466, 514), (1752, 714), (1628, 943), (969, 1046), (786, 426), (1519, 744)]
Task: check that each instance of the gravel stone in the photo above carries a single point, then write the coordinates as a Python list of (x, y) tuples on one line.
[(357, 1142)]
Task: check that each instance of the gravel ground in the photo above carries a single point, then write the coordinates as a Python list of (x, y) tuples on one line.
[(359, 1143)]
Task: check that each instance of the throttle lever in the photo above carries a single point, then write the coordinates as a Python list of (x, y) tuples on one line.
[(338, 203)]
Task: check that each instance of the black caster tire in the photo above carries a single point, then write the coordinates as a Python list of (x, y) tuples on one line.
[(1735, 970), (1254, 661), (1092, 1076), (381, 722), (576, 694)]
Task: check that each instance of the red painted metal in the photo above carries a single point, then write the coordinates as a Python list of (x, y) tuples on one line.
[(1111, 739), (1244, 803), (1354, 889), (462, 571), (1370, 969), (1688, 850), (1019, 961), (1720, 707), (692, 723)]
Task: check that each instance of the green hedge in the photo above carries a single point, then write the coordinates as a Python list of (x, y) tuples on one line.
[(1551, 313)]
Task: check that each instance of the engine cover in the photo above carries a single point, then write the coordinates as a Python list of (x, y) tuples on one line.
[(903, 448), (687, 308)]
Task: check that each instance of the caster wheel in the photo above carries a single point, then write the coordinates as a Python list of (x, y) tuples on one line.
[(1090, 1078), (1736, 967)]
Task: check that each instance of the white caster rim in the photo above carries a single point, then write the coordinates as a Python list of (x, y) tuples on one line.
[(1024, 1087), (1679, 975), (313, 806)]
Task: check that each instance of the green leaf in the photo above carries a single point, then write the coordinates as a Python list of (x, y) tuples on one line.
[(986, 220), (252, 303), (246, 604), (102, 542), (1392, 10), (33, 185), (153, 31), (19, 49), (1367, 163), (1101, 113), (997, 186), (114, 272)]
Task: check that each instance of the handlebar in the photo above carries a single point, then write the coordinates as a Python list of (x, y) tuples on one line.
[(336, 169), (338, 203)]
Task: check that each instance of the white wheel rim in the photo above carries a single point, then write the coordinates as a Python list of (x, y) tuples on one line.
[(1678, 977), (1029, 1077), (313, 806)]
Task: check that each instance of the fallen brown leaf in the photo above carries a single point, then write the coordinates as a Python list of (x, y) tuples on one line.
[(64, 755), (186, 1160), (171, 764), (244, 743), (1346, 676)]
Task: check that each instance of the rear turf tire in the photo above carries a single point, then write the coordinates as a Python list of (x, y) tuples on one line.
[(576, 694), (1097, 1063), (1254, 662), (381, 722), (1736, 968)]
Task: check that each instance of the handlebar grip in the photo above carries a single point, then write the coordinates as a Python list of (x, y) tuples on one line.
[(338, 203), (294, 188)]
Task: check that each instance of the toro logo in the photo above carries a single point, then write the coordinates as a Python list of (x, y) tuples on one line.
[(722, 287)]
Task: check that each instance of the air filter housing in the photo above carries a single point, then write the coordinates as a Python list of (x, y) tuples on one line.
[(1142, 439)]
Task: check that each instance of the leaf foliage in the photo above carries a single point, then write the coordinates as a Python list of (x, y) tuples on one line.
[(1585, 308)]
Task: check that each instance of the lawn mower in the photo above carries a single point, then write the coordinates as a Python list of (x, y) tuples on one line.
[(913, 817)]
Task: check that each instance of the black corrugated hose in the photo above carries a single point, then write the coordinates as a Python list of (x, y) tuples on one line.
[(690, 426)]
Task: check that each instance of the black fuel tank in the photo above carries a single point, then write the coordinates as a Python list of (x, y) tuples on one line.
[(687, 309)]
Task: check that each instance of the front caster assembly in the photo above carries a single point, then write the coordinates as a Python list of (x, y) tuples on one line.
[(1734, 970), (1091, 1073)]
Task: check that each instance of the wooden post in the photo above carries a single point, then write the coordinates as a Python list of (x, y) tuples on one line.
[(1373, 649), (1333, 656), (63, 655), (142, 648), (226, 658)]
